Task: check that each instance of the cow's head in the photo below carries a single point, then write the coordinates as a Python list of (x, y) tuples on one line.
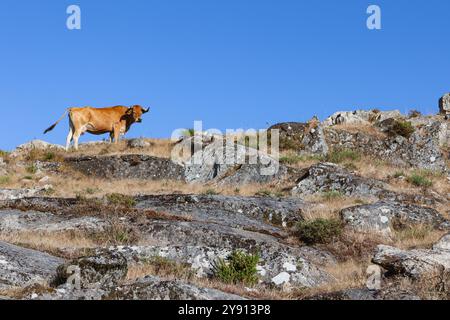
[(136, 112)]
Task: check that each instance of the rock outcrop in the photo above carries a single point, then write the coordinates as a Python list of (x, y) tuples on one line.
[(275, 268), (128, 167), (359, 117), (327, 177), (234, 164), (14, 221), (13, 194), (381, 216), (20, 267), (415, 263), (104, 269), (444, 104), (305, 138), (34, 145)]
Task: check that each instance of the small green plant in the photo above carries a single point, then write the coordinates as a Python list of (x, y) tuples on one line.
[(419, 180), (32, 169), (49, 156), (399, 174), (118, 199), (319, 230), (210, 192), (188, 132), (237, 190), (4, 154), (338, 156), (264, 193), (239, 267), (332, 195), (91, 191), (402, 128), (4, 180), (28, 177)]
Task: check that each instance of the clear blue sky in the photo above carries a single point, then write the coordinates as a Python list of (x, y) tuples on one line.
[(230, 63)]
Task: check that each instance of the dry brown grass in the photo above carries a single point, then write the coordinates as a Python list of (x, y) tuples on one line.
[(417, 236), (52, 243), (158, 148), (347, 275), (328, 207)]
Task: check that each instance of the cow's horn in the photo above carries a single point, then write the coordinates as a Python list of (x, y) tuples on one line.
[(145, 111)]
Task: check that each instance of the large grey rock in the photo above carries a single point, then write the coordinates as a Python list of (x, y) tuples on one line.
[(326, 177), (380, 216), (364, 294), (31, 221), (275, 268), (35, 144), (308, 138), (148, 288), (359, 117), (230, 210), (138, 143), (20, 267), (423, 149), (13, 194), (102, 269), (235, 164), (154, 288), (127, 167), (415, 263), (444, 104)]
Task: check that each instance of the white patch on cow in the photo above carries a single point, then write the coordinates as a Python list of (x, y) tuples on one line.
[(290, 267), (282, 278)]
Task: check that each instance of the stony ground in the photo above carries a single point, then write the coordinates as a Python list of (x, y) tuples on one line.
[(360, 199)]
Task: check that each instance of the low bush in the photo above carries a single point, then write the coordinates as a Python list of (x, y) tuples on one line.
[(319, 231), (238, 268)]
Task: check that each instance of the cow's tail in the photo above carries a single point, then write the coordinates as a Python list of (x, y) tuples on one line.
[(54, 125)]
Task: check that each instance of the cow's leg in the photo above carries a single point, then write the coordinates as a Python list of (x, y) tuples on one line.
[(116, 133), (76, 136), (69, 138), (111, 136)]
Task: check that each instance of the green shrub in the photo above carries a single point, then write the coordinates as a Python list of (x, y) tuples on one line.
[(402, 128), (399, 174), (5, 180), (239, 267), (419, 180), (331, 195), (121, 200), (210, 192), (4, 154), (338, 156), (319, 230), (32, 169)]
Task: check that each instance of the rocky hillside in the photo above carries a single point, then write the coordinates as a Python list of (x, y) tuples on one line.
[(358, 209)]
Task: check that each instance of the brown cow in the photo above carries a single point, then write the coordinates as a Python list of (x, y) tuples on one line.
[(115, 120)]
